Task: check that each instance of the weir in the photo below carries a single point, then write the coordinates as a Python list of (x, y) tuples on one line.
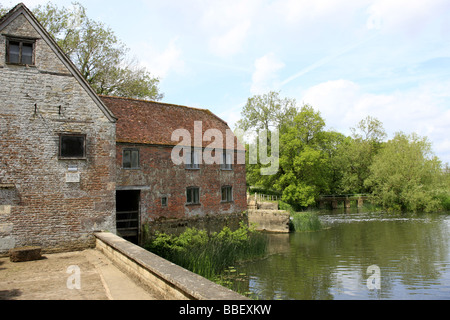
[(347, 199)]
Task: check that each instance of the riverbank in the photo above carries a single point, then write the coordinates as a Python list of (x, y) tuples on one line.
[(209, 254)]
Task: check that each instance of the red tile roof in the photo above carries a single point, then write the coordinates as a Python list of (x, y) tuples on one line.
[(150, 122)]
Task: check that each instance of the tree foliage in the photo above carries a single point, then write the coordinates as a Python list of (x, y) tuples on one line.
[(400, 174), (3, 10), (266, 112), (405, 175), (303, 163), (356, 155)]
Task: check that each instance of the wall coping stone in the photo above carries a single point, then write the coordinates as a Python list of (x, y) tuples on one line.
[(184, 281)]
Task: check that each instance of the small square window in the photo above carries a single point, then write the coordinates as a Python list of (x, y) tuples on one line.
[(130, 159), (227, 194), (164, 202), (72, 146), (20, 51), (192, 195)]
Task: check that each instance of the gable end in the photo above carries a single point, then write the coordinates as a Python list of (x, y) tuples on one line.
[(21, 9)]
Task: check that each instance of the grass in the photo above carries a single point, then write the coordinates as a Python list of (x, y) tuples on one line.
[(209, 255), (305, 221), (302, 221)]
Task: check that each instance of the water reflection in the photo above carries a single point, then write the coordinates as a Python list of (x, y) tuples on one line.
[(412, 254)]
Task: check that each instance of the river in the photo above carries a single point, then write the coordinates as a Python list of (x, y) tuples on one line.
[(358, 256)]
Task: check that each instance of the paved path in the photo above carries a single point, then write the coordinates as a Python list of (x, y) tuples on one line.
[(51, 278)]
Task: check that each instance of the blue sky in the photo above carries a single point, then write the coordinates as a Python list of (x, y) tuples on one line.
[(389, 59)]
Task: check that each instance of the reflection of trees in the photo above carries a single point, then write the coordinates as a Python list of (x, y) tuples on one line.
[(296, 274), (430, 244), (405, 250)]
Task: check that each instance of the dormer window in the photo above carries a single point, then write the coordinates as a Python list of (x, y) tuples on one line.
[(20, 51)]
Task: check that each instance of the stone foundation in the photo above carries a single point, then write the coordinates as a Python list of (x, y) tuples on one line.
[(270, 220), (210, 223)]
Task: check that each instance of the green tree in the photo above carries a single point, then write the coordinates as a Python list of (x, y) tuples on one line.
[(99, 55), (369, 129), (304, 165), (356, 154), (331, 143), (264, 113), (406, 175), (267, 112)]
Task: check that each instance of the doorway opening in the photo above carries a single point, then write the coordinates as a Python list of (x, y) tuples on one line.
[(127, 214)]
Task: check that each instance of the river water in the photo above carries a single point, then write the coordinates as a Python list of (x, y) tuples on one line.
[(358, 256)]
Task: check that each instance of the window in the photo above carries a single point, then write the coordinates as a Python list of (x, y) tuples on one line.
[(226, 161), (227, 194), (72, 146), (192, 159), (130, 159), (20, 51), (164, 202), (192, 195)]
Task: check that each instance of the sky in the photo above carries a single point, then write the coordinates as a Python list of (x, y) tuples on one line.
[(349, 59)]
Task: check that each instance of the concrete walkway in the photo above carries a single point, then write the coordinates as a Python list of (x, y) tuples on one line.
[(82, 275)]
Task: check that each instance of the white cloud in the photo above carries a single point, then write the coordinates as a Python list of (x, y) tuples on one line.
[(265, 77), (231, 41), (404, 15), (162, 62), (29, 3), (232, 114), (305, 11), (338, 102), (227, 24), (423, 109), (169, 60)]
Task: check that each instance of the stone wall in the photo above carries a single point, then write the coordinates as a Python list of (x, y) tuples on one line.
[(163, 278), (159, 177), (37, 104), (210, 223), (269, 220), (268, 205)]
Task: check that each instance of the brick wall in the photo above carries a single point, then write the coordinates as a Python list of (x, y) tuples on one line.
[(158, 176), (37, 103)]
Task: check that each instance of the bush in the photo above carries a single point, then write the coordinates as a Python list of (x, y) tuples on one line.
[(445, 202), (285, 206)]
